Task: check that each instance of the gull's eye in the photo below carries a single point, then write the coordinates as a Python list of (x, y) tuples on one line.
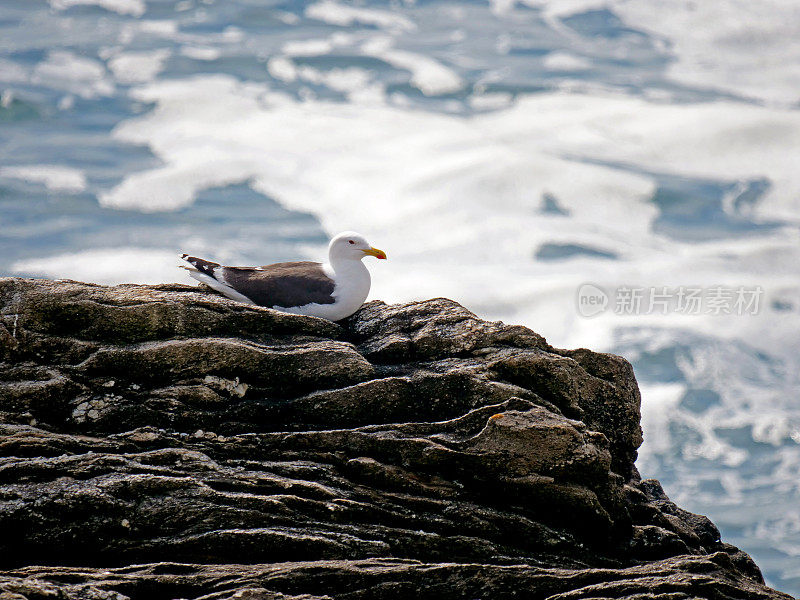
[(351, 241)]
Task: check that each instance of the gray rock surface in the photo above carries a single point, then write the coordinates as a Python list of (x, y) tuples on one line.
[(165, 442)]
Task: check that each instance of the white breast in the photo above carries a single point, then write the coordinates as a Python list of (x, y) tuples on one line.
[(352, 282)]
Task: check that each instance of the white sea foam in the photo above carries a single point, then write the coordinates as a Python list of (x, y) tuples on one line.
[(57, 178), (747, 48), (67, 71), (161, 27), (565, 8), (308, 47), (492, 101), (134, 8), (206, 53), (138, 67), (427, 74), (531, 141), (356, 83), (565, 61), (12, 72), (344, 14), (106, 265), (282, 68), (661, 399)]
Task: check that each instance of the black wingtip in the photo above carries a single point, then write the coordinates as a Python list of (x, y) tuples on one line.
[(201, 264)]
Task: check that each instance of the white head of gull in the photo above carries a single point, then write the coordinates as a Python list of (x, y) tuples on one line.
[(332, 290)]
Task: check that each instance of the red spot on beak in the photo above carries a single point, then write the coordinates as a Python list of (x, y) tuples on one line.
[(376, 253)]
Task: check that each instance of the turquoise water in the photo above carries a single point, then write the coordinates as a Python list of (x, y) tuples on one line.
[(502, 153)]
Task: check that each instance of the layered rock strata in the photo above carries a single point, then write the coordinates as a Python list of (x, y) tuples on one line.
[(165, 442)]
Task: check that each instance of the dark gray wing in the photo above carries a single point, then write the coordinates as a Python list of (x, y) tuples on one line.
[(282, 284)]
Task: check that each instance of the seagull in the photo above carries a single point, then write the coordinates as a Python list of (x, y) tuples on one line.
[(332, 290)]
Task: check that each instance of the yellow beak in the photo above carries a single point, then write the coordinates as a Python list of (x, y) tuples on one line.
[(375, 252)]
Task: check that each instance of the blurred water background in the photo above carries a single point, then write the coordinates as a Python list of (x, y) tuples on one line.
[(503, 154)]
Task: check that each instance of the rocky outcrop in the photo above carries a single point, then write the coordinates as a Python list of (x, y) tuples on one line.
[(230, 451)]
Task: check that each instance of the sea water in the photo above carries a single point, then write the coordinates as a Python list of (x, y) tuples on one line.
[(583, 167)]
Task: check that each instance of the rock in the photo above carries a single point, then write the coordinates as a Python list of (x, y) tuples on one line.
[(165, 442)]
